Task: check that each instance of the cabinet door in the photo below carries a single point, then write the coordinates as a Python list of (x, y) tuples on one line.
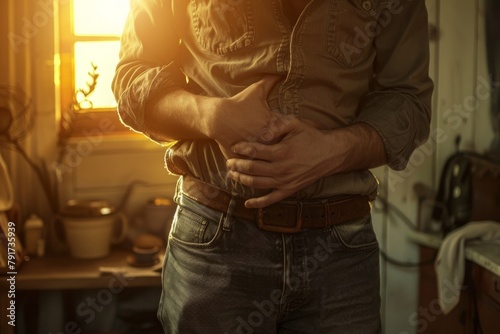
[(487, 288), (430, 317)]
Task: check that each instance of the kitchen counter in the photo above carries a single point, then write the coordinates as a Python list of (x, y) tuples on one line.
[(478, 307), (484, 254), (109, 274)]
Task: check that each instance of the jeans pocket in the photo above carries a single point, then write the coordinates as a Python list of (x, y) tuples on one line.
[(358, 234), (223, 26), (352, 28), (192, 228)]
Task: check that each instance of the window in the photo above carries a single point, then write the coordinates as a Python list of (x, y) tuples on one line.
[(89, 41)]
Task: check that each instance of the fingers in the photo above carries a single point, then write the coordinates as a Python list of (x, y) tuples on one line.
[(250, 167), (254, 173), (258, 151), (269, 199), (259, 174), (274, 132), (228, 153), (277, 129), (253, 181)]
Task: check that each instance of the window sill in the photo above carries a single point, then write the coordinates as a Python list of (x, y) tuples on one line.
[(117, 142), (85, 124), (103, 130)]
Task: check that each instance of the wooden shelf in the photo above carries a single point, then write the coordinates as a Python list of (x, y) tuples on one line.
[(64, 272), (478, 310)]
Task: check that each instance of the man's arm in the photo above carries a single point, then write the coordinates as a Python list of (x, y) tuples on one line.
[(303, 156), (393, 120), (155, 99), (181, 115), (399, 106), (148, 61)]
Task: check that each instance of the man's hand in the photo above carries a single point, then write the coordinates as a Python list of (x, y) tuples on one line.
[(243, 117), (304, 155), (300, 158), (181, 115)]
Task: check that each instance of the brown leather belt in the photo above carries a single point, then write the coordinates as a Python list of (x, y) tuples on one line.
[(283, 217)]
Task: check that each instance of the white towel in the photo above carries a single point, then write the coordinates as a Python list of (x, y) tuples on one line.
[(450, 261)]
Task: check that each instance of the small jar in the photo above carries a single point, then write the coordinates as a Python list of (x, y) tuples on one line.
[(33, 235)]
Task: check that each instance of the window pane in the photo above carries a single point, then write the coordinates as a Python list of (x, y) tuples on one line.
[(99, 17), (105, 56)]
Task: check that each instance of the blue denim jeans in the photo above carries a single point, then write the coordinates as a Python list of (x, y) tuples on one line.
[(223, 275)]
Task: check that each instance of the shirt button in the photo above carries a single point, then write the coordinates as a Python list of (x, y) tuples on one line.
[(288, 95), (367, 5)]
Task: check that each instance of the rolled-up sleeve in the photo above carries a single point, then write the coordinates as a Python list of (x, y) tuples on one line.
[(399, 106), (147, 65)]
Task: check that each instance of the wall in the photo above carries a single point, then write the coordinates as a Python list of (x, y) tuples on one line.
[(460, 107), (96, 166), (104, 168), (16, 71)]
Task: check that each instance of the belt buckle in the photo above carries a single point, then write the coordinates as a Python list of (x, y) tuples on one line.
[(281, 229)]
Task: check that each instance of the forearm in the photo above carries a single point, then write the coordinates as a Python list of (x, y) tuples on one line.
[(355, 147), (179, 115), (304, 155)]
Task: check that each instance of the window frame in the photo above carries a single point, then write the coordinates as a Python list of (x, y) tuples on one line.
[(79, 123)]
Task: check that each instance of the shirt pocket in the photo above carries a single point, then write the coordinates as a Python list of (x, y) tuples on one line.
[(223, 26), (352, 28)]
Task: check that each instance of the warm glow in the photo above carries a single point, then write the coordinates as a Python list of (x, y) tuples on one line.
[(96, 18), (105, 56), (99, 17)]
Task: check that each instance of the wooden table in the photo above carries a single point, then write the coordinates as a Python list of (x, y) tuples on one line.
[(64, 272)]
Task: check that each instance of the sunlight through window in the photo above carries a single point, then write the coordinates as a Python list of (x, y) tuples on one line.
[(97, 26), (105, 56), (99, 17)]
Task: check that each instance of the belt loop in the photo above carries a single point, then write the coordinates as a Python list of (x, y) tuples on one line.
[(328, 214), (178, 190), (300, 215), (228, 219)]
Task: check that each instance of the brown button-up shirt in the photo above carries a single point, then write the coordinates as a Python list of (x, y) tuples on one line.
[(342, 62)]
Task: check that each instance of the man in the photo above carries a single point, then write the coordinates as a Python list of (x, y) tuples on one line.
[(273, 111)]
